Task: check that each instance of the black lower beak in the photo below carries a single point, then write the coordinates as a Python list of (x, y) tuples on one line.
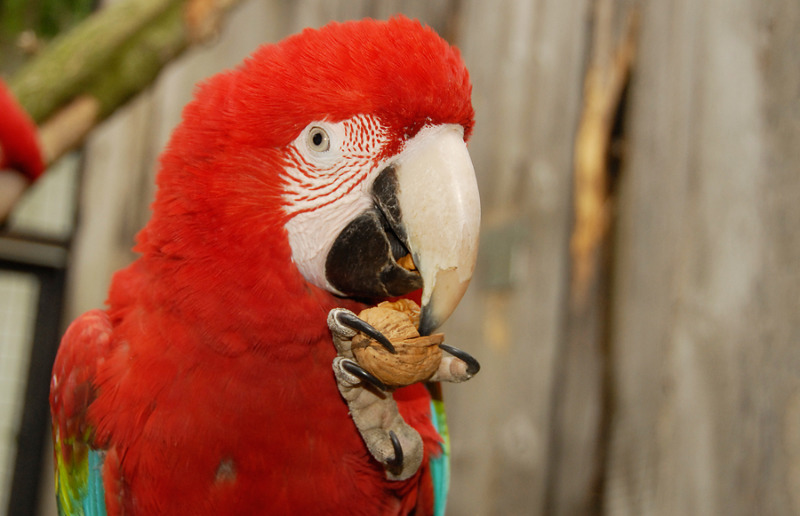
[(363, 259)]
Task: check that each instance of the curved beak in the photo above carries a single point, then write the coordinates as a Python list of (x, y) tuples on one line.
[(421, 229), (438, 198)]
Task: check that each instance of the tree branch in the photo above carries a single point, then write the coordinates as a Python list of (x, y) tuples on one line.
[(86, 74)]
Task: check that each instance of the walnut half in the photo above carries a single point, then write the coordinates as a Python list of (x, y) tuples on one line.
[(417, 358)]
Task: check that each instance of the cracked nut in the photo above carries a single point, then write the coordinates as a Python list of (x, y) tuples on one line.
[(417, 357)]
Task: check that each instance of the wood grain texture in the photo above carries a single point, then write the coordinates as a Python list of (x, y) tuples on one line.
[(526, 62), (705, 328)]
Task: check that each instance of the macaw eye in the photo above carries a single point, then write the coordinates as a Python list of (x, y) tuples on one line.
[(318, 139)]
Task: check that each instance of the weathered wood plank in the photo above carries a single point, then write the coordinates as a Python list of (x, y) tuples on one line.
[(526, 62), (582, 398), (707, 284)]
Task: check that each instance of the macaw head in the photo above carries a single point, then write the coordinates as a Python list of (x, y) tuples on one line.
[(349, 140)]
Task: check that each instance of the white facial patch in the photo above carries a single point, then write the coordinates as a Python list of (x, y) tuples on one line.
[(327, 186)]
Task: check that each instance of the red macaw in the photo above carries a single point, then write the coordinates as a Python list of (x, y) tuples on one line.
[(286, 197)]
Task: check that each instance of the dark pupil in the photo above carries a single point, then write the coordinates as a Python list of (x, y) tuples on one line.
[(317, 138)]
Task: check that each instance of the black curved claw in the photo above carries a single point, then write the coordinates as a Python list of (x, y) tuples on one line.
[(473, 366), (350, 320), (362, 374), (397, 460)]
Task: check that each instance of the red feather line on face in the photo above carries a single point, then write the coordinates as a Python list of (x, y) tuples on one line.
[(314, 185)]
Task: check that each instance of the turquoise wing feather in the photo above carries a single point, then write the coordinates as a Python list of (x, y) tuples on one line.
[(440, 466)]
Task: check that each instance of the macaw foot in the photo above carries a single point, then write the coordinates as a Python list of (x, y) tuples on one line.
[(389, 439), (459, 367)]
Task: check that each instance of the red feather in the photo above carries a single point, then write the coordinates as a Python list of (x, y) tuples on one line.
[(217, 394), (19, 146)]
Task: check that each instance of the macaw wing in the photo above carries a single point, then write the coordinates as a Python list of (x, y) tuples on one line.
[(79, 484)]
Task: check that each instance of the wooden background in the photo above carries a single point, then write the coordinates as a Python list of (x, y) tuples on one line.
[(636, 307)]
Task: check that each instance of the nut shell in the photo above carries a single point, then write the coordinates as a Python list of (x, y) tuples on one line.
[(417, 357), (406, 306)]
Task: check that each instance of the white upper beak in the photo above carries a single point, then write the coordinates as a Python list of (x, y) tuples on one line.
[(438, 197)]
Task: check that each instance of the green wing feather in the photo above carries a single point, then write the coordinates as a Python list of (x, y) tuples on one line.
[(79, 479)]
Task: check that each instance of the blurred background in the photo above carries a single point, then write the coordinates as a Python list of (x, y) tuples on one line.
[(636, 307)]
